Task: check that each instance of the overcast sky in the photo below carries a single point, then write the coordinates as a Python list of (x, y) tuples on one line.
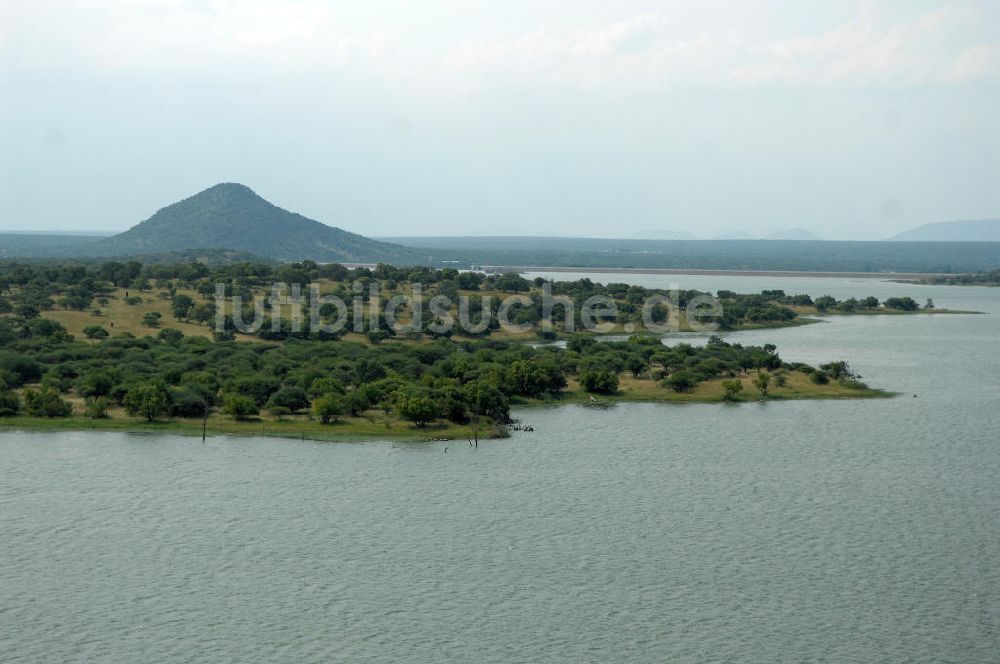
[(561, 117)]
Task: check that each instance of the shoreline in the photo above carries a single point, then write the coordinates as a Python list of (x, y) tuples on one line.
[(884, 276), (394, 430)]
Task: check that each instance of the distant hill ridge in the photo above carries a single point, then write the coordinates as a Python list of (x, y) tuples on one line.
[(965, 230), (232, 216)]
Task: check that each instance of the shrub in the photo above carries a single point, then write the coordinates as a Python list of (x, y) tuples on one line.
[(95, 332), (681, 381), (97, 408), (148, 400), (45, 402), (22, 369), (240, 408), (188, 402), (417, 407), (95, 384), (357, 402), (762, 381), (292, 398), (853, 384), (169, 335), (732, 389), (599, 382), (278, 412), (258, 387), (819, 377), (326, 385), (486, 399), (902, 303), (10, 403), (328, 408)]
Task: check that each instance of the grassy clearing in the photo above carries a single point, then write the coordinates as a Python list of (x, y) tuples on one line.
[(118, 317)]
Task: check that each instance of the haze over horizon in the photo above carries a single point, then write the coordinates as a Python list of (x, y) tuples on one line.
[(854, 121)]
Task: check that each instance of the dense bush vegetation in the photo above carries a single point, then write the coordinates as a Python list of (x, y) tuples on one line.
[(157, 372), (178, 376), (27, 290)]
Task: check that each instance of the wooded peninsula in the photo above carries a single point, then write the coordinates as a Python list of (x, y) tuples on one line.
[(122, 345)]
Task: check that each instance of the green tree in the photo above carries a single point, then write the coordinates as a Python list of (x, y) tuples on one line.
[(278, 412), (825, 302), (681, 381), (417, 407), (902, 303), (292, 398), (838, 370), (599, 382), (45, 402), (239, 407), (368, 371), (486, 399), (191, 400), (95, 384), (10, 403), (325, 385), (170, 336), (819, 377), (97, 408), (256, 386), (357, 402), (636, 365), (19, 368), (762, 381), (732, 389), (181, 305), (329, 408), (95, 332), (148, 400)]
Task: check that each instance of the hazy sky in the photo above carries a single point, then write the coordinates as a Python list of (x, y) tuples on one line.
[(575, 117)]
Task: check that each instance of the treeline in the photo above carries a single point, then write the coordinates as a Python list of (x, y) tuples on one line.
[(991, 278), (172, 375), (27, 289), (824, 303)]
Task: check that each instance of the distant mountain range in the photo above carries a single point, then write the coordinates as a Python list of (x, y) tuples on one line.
[(787, 234), (229, 222), (231, 216), (968, 230), (793, 234), (735, 235), (663, 234)]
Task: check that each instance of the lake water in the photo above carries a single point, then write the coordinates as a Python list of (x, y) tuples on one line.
[(841, 531)]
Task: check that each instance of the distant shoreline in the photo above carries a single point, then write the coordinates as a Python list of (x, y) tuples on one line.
[(886, 276)]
